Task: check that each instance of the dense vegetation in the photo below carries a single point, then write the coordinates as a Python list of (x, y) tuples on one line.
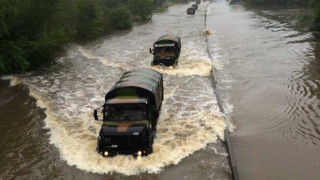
[(33, 31), (316, 4)]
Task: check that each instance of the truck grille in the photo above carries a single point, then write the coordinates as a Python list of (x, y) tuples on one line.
[(166, 62)]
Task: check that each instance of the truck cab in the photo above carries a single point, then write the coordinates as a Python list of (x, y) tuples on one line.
[(166, 51)]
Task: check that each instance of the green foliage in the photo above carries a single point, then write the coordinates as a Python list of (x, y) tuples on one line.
[(6, 11), (120, 18), (43, 50), (316, 22), (12, 57), (88, 20), (141, 8), (33, 31)]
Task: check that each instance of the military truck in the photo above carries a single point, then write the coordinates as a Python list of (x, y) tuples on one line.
[(191, 10), (130, 114), (166, 51), (195, 6)]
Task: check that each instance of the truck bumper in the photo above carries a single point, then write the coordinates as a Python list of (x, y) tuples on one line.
[(123, 145), (166, 62)]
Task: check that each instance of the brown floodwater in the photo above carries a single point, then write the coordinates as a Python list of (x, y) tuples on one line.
[(268, 79), (270, 75), (47, 128)]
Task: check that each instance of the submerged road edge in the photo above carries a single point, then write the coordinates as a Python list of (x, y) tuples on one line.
[(232, 161)]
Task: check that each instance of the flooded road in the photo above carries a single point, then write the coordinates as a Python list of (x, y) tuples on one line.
[(268, 80), (270, 74), (47, 126)]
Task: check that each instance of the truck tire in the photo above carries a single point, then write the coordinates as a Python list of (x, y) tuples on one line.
[(149, 150), (156, 113), (153, 134), (99, 146)]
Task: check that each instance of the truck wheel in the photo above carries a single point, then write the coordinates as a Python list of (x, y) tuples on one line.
[(99, 146), (149, 150), (154, 134), (156, 113)]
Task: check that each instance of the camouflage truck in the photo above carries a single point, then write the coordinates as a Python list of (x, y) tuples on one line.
[(130, 114), (195, 6), (191, 10), (166, 51)]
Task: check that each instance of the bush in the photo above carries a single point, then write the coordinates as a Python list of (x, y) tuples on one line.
[(88, 20), (120, 18), (141, 8), (13, 57), (33, 31)]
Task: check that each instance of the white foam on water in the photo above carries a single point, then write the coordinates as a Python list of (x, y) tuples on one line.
[(74, 132), (177, 137), (41, 102), (103, 60), (224, 82), (217, 151), (216, 63), (187, 67), (189, 120), (13, 80)]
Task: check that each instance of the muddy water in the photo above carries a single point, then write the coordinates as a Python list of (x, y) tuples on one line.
[(270, 73), (47, 128)]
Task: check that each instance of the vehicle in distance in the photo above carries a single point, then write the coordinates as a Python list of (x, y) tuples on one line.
[(130, 114), (191, 11), (166, 51), (195, 6)]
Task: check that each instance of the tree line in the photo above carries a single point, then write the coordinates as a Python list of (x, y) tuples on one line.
[(33, 31)]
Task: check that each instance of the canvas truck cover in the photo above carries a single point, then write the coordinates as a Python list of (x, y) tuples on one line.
[(144, 72), (167, 39), (147, 72), (195, 6), (140, 83)]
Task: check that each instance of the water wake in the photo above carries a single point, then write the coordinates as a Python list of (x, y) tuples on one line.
[(183, 128)]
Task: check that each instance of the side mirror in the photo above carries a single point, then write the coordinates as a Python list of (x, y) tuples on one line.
[(151, 52), (95, 115)]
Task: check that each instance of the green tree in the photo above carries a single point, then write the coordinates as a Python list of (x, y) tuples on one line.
[(89, 20), (316, 22), (141, 8), (120, 18), (21, 24), (33, 31)]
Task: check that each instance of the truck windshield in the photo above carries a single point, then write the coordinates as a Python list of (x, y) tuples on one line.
[(163, 49), (125, 112)]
